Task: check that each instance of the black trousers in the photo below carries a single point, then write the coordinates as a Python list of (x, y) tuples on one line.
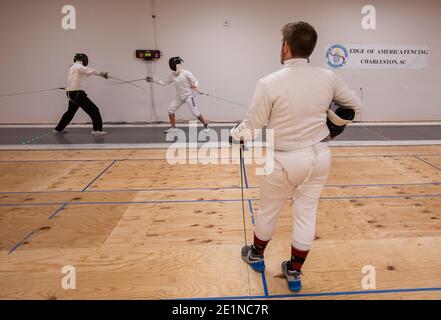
[(79, 99)]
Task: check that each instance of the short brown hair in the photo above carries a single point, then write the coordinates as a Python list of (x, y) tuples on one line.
[(301, 38)]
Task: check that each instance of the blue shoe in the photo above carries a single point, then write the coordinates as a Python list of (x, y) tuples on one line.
[(256, 262), (293, 277)]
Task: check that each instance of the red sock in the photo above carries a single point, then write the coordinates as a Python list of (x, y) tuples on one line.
[(297, 259), (259, 246)]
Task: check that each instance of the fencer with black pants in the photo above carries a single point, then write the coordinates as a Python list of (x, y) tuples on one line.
[(78, 98), (294, 102)]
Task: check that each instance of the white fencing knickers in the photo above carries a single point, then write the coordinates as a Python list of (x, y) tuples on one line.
[(299, 175), (189, 101)]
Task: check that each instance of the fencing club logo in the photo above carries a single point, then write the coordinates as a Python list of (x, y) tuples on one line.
[(337, 56)]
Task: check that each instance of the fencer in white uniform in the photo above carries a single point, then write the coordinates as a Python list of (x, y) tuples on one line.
[(186, 90), (294, 102)]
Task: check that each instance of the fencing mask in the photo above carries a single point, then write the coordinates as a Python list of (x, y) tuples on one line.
[(81, 57), (338, 119), (174, 63)]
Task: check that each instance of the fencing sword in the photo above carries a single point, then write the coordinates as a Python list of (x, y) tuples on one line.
[(30, 92), (223, 99), (131, 81), (242, 164), (150, 79), (122, 81), (63, 88)]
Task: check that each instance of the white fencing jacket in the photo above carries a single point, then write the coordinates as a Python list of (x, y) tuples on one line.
[(183, 82), (294, 102), (76, 74)]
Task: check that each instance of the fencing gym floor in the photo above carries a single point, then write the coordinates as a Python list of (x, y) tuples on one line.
[(136, 227), (152, 135)]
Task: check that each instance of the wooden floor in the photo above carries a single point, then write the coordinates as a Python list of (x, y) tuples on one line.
[(136, 227)]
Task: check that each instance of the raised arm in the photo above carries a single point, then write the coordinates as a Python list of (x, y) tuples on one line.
[(169, 81), (90, 71), (87, 71)]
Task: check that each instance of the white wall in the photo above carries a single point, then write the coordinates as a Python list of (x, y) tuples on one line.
[(36, 53)]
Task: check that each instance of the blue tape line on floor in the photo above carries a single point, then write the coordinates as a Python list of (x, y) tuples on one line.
[(384, 155), (382, 197), (193, 159), (265, 285), (429, 163), (124, 190), (117, 202), (57, 211), (30, 234), (382, 184), (20, 243), (322, 294), (172, 189), (101, 160), (99, 176), (250, 205), (196, 201), (216, 188), (54, 160)]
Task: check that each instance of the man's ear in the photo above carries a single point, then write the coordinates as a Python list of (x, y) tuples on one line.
[(286, 49)]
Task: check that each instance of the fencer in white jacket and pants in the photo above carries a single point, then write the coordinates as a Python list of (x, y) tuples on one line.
[(186, 89), (293, 102)]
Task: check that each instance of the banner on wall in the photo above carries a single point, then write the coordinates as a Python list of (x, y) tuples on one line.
[(362, 56)]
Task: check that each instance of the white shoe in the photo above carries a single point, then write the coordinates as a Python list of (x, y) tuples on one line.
[(59, 132), (170, 130), (98, 133)]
